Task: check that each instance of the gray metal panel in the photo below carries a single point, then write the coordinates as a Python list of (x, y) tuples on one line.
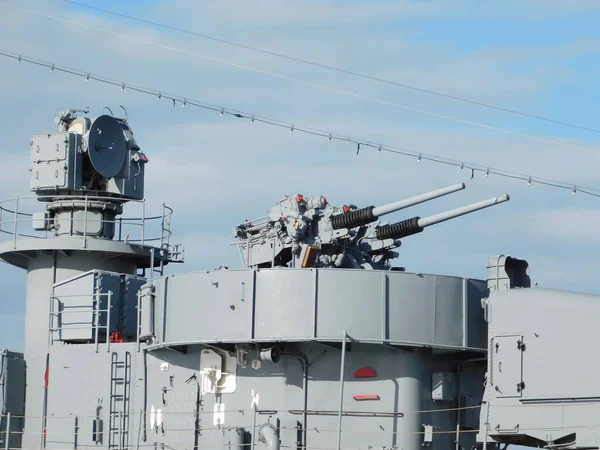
[(537, 314), (207, 306), (55, 162), (74, 301), (130, 181), (306, 304), (12, 398), (351, 300), (284, 305), (159, 307), (12, 383), (401, 384), (507, 365), (476, 326), (411, 307), (130, 287), (80, 383), (448, 310), (110, 282)]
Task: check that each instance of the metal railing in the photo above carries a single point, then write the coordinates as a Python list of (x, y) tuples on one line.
[(17, 220), (90, 303)]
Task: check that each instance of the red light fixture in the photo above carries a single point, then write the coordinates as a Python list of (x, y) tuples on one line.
[(365, 372), (365, 397)]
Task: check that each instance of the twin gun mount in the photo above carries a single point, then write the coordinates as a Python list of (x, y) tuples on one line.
[(309, 232)]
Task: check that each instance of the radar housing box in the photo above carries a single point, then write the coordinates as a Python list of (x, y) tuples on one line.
[(88, 157), (56, 162)]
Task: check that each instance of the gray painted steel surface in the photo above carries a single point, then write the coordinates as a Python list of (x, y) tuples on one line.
[(542, 386), (12, 398), (312, 358), (317, 304), (159, 384)]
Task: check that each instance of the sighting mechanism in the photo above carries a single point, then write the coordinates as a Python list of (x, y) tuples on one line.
[(90, 167), (309, 232)]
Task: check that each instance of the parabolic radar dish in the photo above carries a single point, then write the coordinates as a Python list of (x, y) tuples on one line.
[(107, 146)]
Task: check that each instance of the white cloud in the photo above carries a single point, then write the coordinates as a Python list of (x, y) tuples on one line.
[(577, 226)]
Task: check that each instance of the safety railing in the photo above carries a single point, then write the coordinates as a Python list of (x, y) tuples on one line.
[(80, 430), (88, 317), (19, 221)]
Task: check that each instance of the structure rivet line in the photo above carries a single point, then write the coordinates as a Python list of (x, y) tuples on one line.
[(573, 187)]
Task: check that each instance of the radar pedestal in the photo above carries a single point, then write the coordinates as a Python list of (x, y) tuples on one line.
[(84, 174)]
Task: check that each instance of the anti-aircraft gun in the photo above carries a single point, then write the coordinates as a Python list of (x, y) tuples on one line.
[(309, 232)]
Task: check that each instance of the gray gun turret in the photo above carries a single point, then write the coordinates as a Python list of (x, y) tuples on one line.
[(309, 232)]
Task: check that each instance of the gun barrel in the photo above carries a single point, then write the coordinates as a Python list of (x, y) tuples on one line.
[(442, 217), (370, 214), (402, 204), (415, 225)]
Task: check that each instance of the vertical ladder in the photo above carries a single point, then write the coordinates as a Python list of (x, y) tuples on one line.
[(120, 402)]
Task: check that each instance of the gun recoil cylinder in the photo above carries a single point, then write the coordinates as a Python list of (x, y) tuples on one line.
[(399, 230), (353, 219)]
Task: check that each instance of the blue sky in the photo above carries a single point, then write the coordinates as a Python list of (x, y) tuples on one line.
[(540, 56)]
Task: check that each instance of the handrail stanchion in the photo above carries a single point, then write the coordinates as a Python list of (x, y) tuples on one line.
[(85, 216), (7, 441), (139, 322), (143, 220), (342, 369), (254, 406), (97, 319), (151, 263), (51, 320), (108, 322), (162, 227), (16, 223)]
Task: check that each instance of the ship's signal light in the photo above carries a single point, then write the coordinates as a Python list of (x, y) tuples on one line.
[(365, 372), (366, 397)]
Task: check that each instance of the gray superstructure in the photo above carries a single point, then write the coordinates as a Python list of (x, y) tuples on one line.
[(318, 342)]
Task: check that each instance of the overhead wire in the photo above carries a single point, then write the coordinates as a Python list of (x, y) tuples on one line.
[(380, 147), (303, 82), (330, 67)]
